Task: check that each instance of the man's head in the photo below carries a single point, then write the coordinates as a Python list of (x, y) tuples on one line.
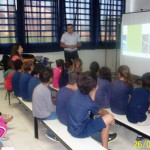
[(69, 28)]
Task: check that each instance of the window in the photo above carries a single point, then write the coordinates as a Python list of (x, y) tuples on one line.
[(110, 19), (40, 21), (78, 14), (7, 21)]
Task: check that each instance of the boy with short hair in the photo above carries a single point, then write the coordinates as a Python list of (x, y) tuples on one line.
[(80, 108)]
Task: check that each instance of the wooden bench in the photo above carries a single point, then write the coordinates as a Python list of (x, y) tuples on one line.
[(61, 133), (122, 120)]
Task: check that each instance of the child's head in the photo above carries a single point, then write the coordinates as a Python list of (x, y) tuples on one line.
[(86, 82), (59, 62), (10, 65), (124, 73), (105, 73), (37, 68), (146, 80), (16, 50), (94, 67), (18, 64), (46, 75), (28, 66), (69, 65), (78, 64)]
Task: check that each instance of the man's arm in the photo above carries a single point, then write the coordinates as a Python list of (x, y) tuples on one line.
[(63, 45)]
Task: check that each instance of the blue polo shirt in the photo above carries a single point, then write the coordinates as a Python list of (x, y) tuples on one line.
[(34, 81), (15, 83), (62, 99), (24, 80), (78, 120), (102, 97), (138, 105), (120, 97)]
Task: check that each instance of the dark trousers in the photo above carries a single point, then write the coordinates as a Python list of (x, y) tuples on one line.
[(71, 55)]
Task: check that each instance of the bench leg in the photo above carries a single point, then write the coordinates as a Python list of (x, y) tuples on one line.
[(9, 97), (36, 128), (6, 95)]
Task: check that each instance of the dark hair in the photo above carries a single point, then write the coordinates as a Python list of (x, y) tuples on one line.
[(69, 25), (37, 68), (86, 82), (46, 74), (146, 80), (73, 75), (124, 71), (68, 64), (18, 64), (94, 67), (14, 50), (27, 66), (10, 64), (78, 64), (59, 62), (105, 73)]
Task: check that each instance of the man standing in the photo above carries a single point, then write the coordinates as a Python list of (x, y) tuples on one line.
[(70, 41)]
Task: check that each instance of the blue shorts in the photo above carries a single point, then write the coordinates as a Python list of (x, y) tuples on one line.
[(92, 127)]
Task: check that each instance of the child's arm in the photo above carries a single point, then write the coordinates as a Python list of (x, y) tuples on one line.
[(103, 112)]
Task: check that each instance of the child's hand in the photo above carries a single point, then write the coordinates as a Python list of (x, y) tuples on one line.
[(53, 100)]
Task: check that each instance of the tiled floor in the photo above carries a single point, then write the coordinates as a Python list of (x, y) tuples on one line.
[(21, 131)]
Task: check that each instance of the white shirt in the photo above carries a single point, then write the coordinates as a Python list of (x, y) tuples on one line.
[(70, 39)]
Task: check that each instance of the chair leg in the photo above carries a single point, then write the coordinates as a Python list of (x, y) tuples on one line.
[(9, 97), (36, 128), (6, 95)]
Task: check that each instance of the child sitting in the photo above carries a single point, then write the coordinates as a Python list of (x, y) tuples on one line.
[(16, 77), (34, 81), (94, 67), (8, 76), (42, 105), (64, 95), (78, 64), (25, 78), (57, 72), (80, 108), (64, 76), (139, 104), (102, 98), (121, 89)]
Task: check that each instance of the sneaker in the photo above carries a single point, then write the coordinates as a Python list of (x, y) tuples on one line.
[(112, 137), (139, 138), (4, 138), (51, 137)]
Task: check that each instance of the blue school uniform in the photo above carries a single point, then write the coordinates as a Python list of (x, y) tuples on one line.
[(15, 83), (24, 80), (63, 81), (62, 99), (34, 81), (102, 97), (138, 105), (120, 97), (79, 123)]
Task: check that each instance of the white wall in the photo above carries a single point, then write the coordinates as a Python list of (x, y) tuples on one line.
[(137, 5)]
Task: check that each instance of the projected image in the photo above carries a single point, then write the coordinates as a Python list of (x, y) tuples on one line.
[(136, 40)]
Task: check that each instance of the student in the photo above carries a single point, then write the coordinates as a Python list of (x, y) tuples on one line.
[(64, 76), (16, 77), (34, 81), (24, 79), (64, 95), (6, 117), (8, 76), (78, 64), (121, 90), (42, 105), (102, 98), (57, 72), (16, 52), (3, 128), (94, 67), (138, 106), (82, 105)]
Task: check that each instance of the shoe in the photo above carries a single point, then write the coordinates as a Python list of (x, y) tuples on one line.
[(4, 138), (51, 137), (139, 138), (112, 137)]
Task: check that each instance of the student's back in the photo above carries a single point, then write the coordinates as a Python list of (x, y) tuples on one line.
[(23, 84), (138, 105), (33, 82), (102, 98), (63, 81), (15, 83), (120, 97)]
